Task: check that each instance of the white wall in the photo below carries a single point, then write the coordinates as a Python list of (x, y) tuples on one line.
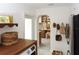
[(18, 12), (17, 18), (57, 15), (75, 9)]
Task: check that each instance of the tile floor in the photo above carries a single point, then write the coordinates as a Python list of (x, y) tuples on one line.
[(44, 49)]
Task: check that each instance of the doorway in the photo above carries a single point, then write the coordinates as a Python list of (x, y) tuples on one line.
[(44, 35), (28, 28)]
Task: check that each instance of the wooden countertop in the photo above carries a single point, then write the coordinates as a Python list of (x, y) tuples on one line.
[(17, 48)]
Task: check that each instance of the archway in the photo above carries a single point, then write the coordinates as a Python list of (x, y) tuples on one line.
[(44, 32)]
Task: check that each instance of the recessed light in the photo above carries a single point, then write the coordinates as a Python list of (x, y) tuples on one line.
[(50, 4)]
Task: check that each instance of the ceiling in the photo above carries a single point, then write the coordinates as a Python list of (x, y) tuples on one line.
[(45, 5), (35, 5)]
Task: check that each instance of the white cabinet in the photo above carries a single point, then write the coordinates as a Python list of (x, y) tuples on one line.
[(29, 51)]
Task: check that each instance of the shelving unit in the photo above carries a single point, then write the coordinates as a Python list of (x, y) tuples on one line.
[(8, 24), (44, 27)]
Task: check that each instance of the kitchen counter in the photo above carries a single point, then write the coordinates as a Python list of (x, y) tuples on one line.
[(17, 48)]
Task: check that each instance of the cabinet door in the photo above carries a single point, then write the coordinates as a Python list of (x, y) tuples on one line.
[(26, 52)]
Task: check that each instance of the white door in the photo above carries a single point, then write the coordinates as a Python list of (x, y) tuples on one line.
[(28, 28)]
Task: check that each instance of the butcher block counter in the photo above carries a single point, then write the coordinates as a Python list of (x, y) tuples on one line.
[(19, 47)]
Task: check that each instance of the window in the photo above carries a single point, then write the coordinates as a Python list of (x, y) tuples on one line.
[(28, 28)]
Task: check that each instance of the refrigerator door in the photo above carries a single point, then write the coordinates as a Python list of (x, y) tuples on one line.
[(76, 34)]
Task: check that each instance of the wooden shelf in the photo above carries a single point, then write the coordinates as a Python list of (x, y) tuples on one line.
[(7, 24)]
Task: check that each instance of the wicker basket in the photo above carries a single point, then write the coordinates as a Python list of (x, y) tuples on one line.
[(9, 38)]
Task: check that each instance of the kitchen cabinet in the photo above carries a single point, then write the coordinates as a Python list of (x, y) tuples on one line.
[(22, 47)]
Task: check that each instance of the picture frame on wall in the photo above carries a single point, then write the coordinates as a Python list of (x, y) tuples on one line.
[(6, 19)]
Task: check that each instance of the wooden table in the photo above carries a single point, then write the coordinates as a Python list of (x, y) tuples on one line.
[(17, 48)]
